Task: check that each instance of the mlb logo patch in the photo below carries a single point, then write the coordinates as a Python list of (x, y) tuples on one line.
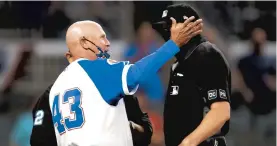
[(212, 94), (222, 94), (175, 90)]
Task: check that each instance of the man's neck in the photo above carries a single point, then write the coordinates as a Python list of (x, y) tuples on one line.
[(74, 59), (194, 42)]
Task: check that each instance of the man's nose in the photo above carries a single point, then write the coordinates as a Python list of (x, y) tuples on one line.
[(108, 43)]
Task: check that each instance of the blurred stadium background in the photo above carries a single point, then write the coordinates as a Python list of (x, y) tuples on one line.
[(32, 48)]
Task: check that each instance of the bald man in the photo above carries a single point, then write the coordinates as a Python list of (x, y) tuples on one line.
[(86, 99), (86, 39)]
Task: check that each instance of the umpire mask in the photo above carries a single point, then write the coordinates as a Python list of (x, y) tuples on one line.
[(178, 12)]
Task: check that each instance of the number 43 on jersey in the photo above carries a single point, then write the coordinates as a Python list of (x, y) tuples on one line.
[(75, 108)]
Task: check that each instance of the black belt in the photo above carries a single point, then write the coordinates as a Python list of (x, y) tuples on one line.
[(215, 141)]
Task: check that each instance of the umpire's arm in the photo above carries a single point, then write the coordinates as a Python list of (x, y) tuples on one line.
[(140, 124), (215, 82)]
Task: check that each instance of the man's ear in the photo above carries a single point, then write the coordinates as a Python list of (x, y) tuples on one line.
[(68, 56), (83, 43)]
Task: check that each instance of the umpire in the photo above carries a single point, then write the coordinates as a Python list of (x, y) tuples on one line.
[(197, 109)]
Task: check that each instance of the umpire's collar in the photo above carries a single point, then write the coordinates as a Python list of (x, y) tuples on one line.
[(187, 49)]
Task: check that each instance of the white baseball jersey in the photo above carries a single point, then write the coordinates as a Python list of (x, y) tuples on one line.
[(86, 104)]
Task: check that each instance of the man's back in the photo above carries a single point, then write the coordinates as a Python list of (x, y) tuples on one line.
[(84, 106)]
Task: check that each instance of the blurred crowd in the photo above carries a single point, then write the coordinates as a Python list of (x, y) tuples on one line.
[(241, 17), (253, 100), (47, 19)]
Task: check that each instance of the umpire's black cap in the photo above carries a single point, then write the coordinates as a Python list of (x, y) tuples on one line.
[(177, 11)]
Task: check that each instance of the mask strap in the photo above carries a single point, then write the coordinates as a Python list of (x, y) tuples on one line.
[(101, 53)]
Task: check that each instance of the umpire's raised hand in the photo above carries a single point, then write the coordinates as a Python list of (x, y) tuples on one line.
[(181, 33)]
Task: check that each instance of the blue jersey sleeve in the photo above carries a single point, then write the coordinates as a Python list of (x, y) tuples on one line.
[(140, 71), (113, 79), (110, 78)]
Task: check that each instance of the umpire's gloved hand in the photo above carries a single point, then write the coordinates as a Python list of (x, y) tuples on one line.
[(142, 133), (136, 127)]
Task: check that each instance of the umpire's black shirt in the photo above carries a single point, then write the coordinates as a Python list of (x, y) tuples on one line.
[(198, 78)]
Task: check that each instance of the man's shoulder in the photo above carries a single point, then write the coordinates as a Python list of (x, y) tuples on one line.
[(100, 63), (43, 100), (208, 48), (113, 62), (209, 53)]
